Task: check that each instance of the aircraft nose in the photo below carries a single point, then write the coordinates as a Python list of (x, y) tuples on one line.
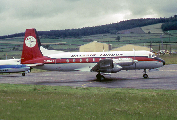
[(163, 62), (160, 60)]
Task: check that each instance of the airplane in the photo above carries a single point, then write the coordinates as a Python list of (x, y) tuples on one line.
[(13, 66), (100, 62)]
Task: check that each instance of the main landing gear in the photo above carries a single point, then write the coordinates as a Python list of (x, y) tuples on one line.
[(145, 75), (23, 74), (100, 77)]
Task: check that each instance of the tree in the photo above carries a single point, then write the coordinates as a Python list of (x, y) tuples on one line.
[(118, 38)]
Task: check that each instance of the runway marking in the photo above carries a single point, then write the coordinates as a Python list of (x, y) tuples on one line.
[(74, 74), (169, 70), (84, 85)]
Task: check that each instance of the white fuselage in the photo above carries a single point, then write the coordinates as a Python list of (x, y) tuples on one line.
[(12, 66), (84, 61)]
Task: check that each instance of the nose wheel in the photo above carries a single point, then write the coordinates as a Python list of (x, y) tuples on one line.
[(145, 75)]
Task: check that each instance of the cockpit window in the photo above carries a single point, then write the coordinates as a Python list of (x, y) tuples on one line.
[(152, 55)]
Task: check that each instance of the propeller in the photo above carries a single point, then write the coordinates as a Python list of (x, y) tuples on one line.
[(135, 61)]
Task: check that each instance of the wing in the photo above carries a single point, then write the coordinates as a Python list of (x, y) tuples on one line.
[(106, 66), (112, 65)]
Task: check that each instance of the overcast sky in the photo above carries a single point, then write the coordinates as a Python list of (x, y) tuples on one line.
[(18, 15)]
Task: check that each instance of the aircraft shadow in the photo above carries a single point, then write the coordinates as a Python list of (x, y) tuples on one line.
[(107, 80), (125, 79), (110, 79), (3, 76)]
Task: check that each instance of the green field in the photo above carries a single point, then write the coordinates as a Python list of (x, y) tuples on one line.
[(169, 59), (56, 102), (13, 47)]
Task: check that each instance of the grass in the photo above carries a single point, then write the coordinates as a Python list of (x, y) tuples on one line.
[(34, 70), (54, 102), (169, 59)]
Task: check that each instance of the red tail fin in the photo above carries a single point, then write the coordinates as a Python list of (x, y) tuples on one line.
[(31, 47)]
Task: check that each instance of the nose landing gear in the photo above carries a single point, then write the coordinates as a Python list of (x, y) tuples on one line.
[(145, 75)]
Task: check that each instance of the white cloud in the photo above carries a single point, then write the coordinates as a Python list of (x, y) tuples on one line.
[(16, 16)]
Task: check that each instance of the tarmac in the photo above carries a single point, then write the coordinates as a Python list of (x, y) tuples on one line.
[(165, 78)]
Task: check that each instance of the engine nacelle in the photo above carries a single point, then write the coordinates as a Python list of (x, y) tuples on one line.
[(107, 66), (124, 61), (116, 68), (111, 70)]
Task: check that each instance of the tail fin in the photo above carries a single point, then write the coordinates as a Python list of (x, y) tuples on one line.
[(31, 47)]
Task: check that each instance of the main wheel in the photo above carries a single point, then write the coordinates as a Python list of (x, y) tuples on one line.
[(100, 77), (145, 76), (23, 74)]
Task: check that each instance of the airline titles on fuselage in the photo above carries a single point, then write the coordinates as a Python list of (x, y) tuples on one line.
[(93, 55)]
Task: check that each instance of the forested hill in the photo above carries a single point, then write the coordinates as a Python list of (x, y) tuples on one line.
[(169, 24)]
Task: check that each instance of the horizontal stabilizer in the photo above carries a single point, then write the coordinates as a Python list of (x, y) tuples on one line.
[(34, 65)]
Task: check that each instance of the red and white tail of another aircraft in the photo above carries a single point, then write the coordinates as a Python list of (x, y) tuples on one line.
[(102, 62)]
